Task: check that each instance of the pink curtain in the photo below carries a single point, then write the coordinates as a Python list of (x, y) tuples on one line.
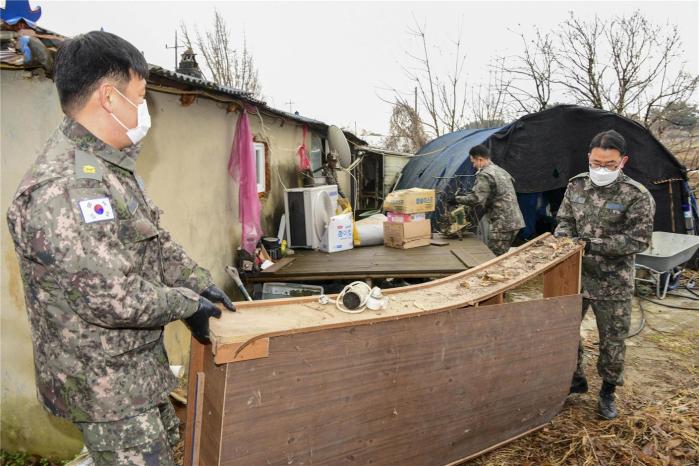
[(242, 168), (304, 163)]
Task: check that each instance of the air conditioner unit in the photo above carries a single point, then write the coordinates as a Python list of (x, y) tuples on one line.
[(308, 212)]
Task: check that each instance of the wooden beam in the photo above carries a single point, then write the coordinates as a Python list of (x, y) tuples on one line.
[(196, 365), (198, 416)]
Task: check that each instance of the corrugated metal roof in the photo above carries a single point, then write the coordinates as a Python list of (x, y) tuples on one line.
[(200, 83)]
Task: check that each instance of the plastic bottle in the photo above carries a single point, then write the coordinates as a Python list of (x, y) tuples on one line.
[(688, 220)]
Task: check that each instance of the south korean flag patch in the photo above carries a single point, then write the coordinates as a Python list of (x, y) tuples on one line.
[(96, 210)]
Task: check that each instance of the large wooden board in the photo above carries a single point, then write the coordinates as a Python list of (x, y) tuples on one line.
[(427, 390), (446, 372)]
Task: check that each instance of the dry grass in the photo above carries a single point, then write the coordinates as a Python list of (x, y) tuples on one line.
[(660, 432)]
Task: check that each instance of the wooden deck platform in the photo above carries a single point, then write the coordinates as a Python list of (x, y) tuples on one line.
[(381, 262)]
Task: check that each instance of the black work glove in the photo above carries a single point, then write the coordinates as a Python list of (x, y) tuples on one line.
[(588, 245), (216, 295), (198, 322)]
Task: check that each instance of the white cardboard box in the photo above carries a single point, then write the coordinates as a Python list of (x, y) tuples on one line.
[(338, 236)]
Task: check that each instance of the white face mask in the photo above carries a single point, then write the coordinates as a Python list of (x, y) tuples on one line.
[(602, 176), (142, 124)]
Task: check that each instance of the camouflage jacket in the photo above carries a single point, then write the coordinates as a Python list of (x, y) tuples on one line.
[(618, 221), (101, 279), (494, 193)]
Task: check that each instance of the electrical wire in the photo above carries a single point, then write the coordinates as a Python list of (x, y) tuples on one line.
[(644, 297), (362, 305), (684, 308), (642, 325)]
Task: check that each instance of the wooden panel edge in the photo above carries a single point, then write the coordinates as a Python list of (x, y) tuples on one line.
[(456, 276), (198, 403), (196, 365)]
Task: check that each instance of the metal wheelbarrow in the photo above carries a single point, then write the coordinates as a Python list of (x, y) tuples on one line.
[(664, 256)]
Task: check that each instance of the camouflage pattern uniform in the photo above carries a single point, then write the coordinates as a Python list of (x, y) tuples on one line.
[(618, 222), (494, 193), (99, 293)]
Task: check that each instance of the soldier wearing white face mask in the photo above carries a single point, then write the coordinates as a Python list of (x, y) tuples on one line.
[(102, 278), (613, 215), (142, 120)]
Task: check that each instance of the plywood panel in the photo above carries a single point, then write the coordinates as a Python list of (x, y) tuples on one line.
[(426, 390), (564, 278)]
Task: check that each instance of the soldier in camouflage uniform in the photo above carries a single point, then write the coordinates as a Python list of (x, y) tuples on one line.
[(101, 277), (494, 193), (613, 215)]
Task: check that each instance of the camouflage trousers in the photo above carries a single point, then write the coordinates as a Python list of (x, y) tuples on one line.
[(500, 241), (613, 319), (145, 439)]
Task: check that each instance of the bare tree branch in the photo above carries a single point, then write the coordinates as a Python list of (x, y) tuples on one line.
[(226, 65)]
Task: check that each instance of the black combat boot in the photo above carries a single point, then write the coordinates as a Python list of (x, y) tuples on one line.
[(578, 384), (605, 406)]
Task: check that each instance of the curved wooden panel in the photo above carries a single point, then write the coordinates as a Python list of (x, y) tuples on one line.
[(428, 390), (447, 372)]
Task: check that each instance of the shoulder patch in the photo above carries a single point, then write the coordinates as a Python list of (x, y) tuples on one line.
[(635, 183), (87, 166), (582, 175)]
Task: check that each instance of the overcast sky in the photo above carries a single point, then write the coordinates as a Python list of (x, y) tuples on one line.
[(334, 60)]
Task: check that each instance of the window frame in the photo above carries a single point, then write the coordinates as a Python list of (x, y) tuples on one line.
[(262, 167)]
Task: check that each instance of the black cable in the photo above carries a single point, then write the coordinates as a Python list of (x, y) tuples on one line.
[(642, 324), (677, 295), (669, 305), (691, 291)]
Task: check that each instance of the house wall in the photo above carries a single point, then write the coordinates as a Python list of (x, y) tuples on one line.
[(183, 163), (392, 166)]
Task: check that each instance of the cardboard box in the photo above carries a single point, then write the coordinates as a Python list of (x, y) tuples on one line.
[(338, 236), (397, 217), (410, 201), (407, 235)]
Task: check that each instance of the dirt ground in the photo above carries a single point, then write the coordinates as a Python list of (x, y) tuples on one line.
[(658, 405)]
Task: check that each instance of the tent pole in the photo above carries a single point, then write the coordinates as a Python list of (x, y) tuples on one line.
[(672, 207)]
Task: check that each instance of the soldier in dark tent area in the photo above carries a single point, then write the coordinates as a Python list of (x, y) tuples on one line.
[(613, 215), (101, 277), (494, 193)]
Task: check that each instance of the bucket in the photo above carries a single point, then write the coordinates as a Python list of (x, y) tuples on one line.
[(273, 247)]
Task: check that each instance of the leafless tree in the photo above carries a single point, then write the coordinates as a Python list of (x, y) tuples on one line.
[(226, 64), (625, 64), (531, 74), (406, 132), (489, 102), (441, 99), (581, 71)]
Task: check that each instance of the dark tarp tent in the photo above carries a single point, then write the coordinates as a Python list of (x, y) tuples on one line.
[(543, 150)]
